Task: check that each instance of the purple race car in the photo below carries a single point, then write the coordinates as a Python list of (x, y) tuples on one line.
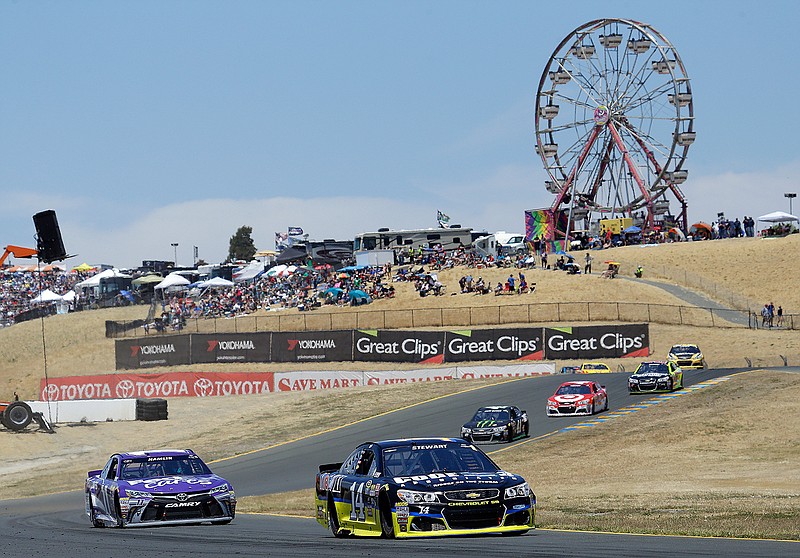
[(156, 488)]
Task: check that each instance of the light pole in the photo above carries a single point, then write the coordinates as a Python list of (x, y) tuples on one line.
[(791, 196), (175, 248)]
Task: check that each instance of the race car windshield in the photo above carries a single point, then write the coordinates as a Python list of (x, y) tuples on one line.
[(498, 415), (652, 367), (162, 466), (573, 390), (436, 458), (594, 367), (684, 349)]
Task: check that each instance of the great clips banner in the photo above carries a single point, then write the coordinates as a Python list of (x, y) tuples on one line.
[(494, 344), (590, 342), (398, 346)]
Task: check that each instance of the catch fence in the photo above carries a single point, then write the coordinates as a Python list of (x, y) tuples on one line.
[(534, 313)]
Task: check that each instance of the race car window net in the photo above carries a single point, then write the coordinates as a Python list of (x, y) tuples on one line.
[(146, 468), (453, 458), (491, 414), (574, 390)]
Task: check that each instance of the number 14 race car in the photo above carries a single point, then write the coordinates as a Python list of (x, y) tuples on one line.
[(156, 488), (421, 488)]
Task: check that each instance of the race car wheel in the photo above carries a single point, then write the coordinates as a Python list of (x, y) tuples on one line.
[(17, 416), (527, 429), (593, 409), (118, 511), (333, 520), (93, 514), (385, 510), (510, 433), (606, 407)]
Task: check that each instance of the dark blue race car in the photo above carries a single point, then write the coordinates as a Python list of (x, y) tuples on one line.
[(156, 488)]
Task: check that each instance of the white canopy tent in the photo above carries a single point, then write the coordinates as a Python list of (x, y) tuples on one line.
[(215, 283), (94, 280), (172, 281), (778, 217), (47, 296), (248, 273)]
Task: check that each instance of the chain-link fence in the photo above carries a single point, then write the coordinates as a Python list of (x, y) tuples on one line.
[(553, 312)]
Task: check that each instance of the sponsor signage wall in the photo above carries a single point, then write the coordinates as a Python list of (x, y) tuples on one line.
[(423, 347), (230, 347), (312, 346), (494, 344), (383, 345), (591, 342), (146, 352), (212, 384), (173, 384)]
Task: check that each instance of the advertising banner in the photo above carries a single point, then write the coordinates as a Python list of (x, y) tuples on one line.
[(512, 371), (173, 384), (494, 344), (591, 342), (383, 377), (312, 346), (398, 346), (315, 379), (145, 352), (230, 347)]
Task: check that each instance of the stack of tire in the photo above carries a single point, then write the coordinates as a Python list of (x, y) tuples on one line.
[(16, 416), (151, 409)]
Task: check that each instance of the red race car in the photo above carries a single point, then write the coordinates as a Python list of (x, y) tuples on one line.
[(577, 398)]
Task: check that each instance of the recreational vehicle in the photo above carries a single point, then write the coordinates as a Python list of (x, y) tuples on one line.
[(386, 239)]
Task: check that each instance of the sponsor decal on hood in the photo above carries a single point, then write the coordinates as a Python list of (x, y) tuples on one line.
[(461, 480), (177, 484)]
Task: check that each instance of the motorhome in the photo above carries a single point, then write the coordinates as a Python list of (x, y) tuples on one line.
[(387, 239)]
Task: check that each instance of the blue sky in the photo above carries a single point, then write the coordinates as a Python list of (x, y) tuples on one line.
[(148, 123)]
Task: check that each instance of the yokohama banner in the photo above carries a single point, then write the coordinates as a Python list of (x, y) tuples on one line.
[(312, 346), (167, 350), (398, 346), (494, 344), (230, 347), (174, 384), (611, 341)]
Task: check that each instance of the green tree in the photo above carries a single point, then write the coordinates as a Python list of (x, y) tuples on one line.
[(241, 245)]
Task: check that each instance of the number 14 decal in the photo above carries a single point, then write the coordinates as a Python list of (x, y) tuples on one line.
[(357, 502)]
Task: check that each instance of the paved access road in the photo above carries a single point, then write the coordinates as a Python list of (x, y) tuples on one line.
[(54, 526)]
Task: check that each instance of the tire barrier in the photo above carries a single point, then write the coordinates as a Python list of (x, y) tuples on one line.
[(151, 409)]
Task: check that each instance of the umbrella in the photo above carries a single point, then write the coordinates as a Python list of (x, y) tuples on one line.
[(276, 270), (612, 263), (633, 229), (570, 257), (333, 292), (677, 232), (323, 266), (83, 267), (357, 294), (704, 226)]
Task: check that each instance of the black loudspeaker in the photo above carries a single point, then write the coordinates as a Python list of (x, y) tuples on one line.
[(49, 243)]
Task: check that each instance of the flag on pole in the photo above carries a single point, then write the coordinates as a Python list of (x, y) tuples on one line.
[(295, 231), (442, 218), (280, 240)]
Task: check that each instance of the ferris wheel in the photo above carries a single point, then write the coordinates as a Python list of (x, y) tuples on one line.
[(614, 122)]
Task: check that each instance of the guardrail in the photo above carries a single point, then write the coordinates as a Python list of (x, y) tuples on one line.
[(552, 312)]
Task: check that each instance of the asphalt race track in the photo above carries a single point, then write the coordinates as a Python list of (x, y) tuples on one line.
[(55, 526)]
